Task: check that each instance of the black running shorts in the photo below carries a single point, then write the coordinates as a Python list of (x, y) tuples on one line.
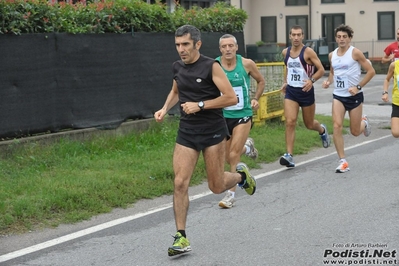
[(233, 122), (395, 111), (350, 102), (199, 139)]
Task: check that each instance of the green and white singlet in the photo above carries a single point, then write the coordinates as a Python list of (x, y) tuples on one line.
[(240, 81)]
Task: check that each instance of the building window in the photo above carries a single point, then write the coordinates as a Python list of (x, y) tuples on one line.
[(329, 23), (332, 1), (187, 4), (386, 25), (200, 3), (296, 2), (268, 27), (154, 1)]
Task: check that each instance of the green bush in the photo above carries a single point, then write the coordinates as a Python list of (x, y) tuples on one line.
[(218, 18), (119, 16)]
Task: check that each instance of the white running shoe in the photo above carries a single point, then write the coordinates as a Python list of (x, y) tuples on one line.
[(253, 152), (367, 129), (228, 201)]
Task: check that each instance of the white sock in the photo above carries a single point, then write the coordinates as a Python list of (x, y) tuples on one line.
[(232, 193), (342, 160)]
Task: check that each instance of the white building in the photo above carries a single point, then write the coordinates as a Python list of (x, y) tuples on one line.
[(374, 21)]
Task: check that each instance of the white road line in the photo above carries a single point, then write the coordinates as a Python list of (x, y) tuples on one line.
[(90, 230)]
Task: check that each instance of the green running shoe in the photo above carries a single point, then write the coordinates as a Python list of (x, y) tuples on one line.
[(180, 245), (250, 182)]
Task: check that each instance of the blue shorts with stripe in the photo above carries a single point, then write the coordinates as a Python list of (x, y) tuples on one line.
[(303, 98)]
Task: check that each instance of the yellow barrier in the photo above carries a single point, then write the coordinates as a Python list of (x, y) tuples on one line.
[(271, 103)]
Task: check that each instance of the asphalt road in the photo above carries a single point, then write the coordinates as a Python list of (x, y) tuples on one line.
[(309, 215)]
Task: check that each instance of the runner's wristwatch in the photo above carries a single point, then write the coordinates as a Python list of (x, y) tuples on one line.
[(201, 105), (358, 87)]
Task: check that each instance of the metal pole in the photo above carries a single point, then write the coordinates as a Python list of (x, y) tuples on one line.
[(310, 19)]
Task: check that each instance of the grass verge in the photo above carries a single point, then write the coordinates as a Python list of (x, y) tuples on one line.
[(70, 181)]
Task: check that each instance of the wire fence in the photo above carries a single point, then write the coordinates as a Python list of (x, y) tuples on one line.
[(271, 103), (273, 74)]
